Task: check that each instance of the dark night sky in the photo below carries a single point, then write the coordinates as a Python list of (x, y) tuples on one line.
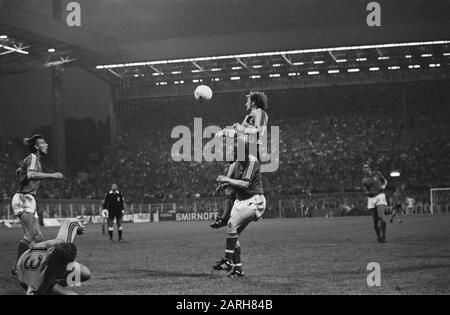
[(132, 21)]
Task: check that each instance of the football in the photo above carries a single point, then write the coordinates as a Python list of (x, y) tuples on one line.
[(203, 93)]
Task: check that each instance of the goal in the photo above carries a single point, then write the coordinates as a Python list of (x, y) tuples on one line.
[(439, 200)]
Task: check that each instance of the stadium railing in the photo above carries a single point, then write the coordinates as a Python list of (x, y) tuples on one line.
[(209, 208)]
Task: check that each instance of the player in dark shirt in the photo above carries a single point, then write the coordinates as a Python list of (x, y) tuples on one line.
[(249, 206), (114, 203), (29, 176), (252, 129), (373, 185)]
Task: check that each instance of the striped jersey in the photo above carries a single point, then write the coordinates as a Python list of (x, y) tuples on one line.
[(31, 268), (258, 119), (26, 185)]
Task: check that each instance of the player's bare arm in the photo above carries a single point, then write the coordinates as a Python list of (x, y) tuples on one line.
[(41, 176), (237, 183), (385, 182), (247, 129)]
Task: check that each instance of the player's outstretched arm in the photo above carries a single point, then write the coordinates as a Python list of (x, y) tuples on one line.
[(247, 130), (241, 184), (231, 170), (41, 176), (230, 174), (226, 132)]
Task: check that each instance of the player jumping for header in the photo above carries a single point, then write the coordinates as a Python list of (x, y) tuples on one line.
[(373, 185), (252, 129), (29, 176), (249, 206), (43, 269)]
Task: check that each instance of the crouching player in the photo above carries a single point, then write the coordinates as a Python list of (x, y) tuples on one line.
[(46, 267), (249, 206)]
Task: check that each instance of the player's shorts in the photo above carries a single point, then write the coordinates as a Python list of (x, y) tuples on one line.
[(24, 203), (378, 200), (116, 214), (246, 211), (374, 203)]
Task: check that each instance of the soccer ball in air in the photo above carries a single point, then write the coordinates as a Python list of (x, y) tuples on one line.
[(203, 93)]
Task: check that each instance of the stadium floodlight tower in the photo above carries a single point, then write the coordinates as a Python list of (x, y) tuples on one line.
[(439, 197)]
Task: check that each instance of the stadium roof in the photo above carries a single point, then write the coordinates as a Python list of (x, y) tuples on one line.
[(29, 40), (283, 69), (143, 30)]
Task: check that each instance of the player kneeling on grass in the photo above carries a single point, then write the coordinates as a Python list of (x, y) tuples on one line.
[(43, 268), (249, 206)]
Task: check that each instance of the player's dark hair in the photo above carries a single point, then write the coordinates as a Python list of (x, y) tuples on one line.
[(61, 256), (260, 99), (31, 142)]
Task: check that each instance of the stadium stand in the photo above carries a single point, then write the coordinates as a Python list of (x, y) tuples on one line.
[(325, 135)]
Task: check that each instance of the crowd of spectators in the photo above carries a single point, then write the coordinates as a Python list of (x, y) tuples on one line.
[(325, 135)]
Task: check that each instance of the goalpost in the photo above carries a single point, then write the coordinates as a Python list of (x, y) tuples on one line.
[(439, 197)]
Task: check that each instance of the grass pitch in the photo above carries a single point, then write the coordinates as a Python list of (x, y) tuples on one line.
[(280, 256)]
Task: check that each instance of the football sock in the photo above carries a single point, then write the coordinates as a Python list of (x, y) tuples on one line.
[(230, 246), (383, 229), (237, 257), (120, 232), (68, 230), (377, 230), (110, 232), (24, 245)]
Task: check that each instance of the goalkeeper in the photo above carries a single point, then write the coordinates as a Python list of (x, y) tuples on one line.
[(46, 268)]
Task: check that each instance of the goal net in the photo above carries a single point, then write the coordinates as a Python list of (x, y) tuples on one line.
[(440, 200)]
